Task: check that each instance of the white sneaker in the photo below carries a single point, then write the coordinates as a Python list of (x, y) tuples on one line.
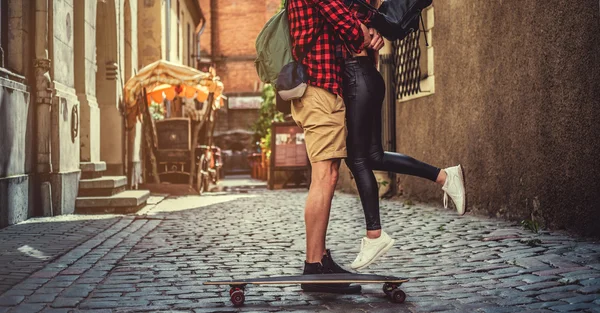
[(455, 188), (371, 250)]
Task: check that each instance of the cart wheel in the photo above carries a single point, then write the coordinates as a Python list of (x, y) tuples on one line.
[(398, 296), (204, 175), (206, 184), (199, 180), (217, 176), (237, 297), (389, 288)]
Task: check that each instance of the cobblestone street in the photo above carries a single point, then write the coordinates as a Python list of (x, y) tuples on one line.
[(158, 259)]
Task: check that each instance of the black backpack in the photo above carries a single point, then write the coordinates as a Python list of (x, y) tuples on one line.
[(395, 19)]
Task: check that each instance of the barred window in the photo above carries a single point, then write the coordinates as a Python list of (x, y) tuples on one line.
[(413, 57)]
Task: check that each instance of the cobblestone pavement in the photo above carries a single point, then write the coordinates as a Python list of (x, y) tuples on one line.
[(29, 246), (157, 261)]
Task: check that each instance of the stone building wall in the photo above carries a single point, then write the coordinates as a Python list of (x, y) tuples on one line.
[(150, 31), (65, 66), (153, 40), (516, 103), (17, 110), (16, 152)]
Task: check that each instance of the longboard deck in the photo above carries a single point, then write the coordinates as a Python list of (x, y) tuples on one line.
[(313, 279), (390, 287)]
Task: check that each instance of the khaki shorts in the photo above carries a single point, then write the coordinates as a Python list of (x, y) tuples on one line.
[(322, 116)]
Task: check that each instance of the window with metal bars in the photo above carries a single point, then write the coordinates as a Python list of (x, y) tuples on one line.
[(413, 60), (407, 55)]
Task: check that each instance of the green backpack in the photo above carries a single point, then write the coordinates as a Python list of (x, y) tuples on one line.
[(273, 48)]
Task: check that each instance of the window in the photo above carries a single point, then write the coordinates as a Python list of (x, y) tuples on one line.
[(413, 57), (189, 45), (3, 32), (182, 43)]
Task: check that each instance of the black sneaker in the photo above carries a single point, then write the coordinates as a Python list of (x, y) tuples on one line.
[(329, 265), (317, 268)]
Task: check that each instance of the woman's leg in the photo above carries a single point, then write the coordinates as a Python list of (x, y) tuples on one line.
[(358, 142), (359, 121), (392, 161), (451, 179)]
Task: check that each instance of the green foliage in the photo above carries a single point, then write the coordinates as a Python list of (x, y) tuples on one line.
[(265, 143), (268, 114), (533, 242), (157, 111), (282, 5), (531, 225), (381, 183)]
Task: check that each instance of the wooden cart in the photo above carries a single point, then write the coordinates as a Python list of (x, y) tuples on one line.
[(174, 147)]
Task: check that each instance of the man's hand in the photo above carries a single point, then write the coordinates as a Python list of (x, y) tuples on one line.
[(367, 34), (377, 41)]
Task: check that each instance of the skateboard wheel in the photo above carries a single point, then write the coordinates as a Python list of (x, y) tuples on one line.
[(388, 288), (234, 288), (398, 296), (237, 297)]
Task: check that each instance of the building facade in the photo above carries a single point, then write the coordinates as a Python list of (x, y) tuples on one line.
[(63, 64), (508, 89), (169, 31), (228, 43)]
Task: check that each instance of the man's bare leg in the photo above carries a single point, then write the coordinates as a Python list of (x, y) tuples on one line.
[(318, 205)]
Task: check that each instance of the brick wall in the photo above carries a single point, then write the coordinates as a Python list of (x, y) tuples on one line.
[(205, 45), (235, 24), (239, 76)]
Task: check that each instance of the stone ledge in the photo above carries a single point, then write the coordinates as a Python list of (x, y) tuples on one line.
[(127, 200), (110, 210), (104, 182), (92, 166)]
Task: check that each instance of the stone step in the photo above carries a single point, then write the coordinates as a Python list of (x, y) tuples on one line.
[(129, 201), (103, 186), (91, 170)]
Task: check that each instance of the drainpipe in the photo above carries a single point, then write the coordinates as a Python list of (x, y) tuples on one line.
[(168, 29)]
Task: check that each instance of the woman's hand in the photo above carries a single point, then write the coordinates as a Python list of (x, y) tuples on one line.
[(376, 40), (367, 36)]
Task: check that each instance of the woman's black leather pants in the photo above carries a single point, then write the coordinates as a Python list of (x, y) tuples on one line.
[(364, 90)]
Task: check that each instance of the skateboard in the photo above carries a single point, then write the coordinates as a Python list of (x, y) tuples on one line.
[(390, 284)]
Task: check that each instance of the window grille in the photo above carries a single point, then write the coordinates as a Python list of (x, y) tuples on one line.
[(407, 57)]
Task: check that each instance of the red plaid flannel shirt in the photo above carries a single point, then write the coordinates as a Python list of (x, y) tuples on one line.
[(339, 28)]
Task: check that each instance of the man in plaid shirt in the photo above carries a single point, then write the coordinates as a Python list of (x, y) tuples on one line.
[(321, 114)]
